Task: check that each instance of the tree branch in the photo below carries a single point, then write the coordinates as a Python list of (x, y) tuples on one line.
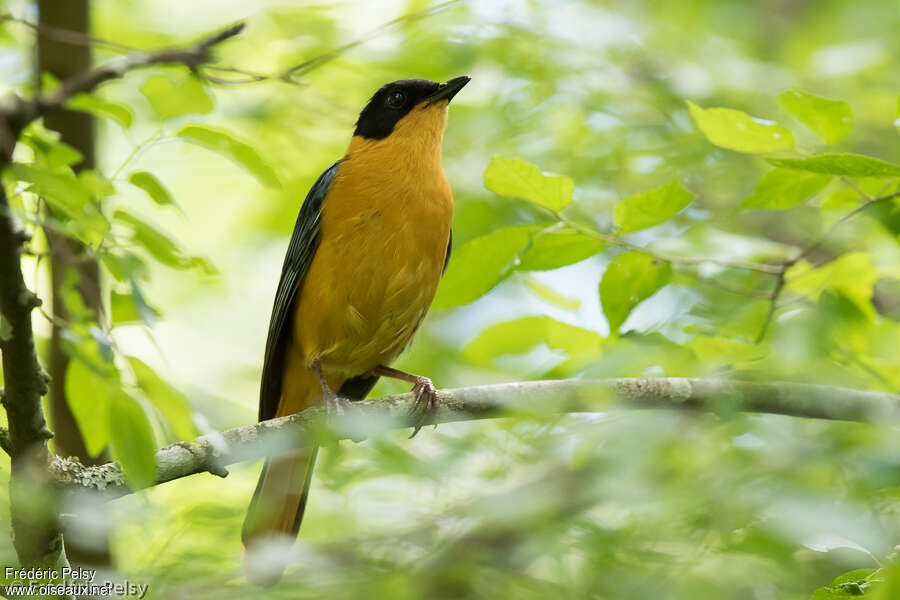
[(18, 112), (210, 453)]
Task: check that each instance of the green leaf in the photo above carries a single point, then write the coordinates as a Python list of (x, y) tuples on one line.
[(480, 264), (652, 207), (830, 119), (849, 165), (89, 394), (224, 143), (120, 113), (630, 279), (739, 131), (152, 186), (551, 295), (849, 585), (159, 245), (555, 248), (522, 335), (170, 99), (132, 307), (852, 274), (132, 440), (515, 178), (72, 197), (171, 403), (781, 189)]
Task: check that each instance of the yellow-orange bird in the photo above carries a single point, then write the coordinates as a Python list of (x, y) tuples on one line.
[(368, 249)]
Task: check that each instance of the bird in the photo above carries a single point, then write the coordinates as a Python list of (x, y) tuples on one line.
[(371, 242)]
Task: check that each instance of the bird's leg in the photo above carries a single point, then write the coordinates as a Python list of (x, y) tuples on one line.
[(426, 398), (334, 404)]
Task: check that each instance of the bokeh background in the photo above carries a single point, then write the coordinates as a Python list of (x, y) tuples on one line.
[(622, 504)]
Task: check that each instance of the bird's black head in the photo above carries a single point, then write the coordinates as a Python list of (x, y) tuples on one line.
[(394, 101)]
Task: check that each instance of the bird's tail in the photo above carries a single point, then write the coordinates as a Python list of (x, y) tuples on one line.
[(276, 509)]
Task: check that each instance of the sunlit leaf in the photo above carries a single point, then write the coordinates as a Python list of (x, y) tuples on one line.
[(171, 403), (480, 264), (781, 189), (171, 99), (652, 207), (152, 186), (515, 178), (221, 141), (106, 109), (555, 248), (132, 440), (630, 279), (550, 295), (850, 165), (736, 130), (89, 394), (852, 274), (522, 335), (830, 119)]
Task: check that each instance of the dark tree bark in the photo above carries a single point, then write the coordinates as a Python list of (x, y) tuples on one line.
[(67, 256)]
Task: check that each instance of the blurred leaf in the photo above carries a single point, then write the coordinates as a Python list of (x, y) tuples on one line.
[(630, 279), (515, 178), (850, 165), (853, 274), (551, 295), (646, 209), (105, 109), (132, 441), (739, 131), (481, 264), (132, 307), (224, 143), (49, 150), (849, 585), (183, 97), (830, 119), (781, 189), (152, 186), (522, 335), (170, 402), (89, 394), (125, 266), (71, 196), (555, 248), (159, 245)]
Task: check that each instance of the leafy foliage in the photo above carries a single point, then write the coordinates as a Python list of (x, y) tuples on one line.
[(629, 195)]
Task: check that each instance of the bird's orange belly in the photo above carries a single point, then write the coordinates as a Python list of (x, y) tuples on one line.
[(368, 288)]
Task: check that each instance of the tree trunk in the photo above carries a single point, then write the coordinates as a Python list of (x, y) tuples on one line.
[(63, 60)]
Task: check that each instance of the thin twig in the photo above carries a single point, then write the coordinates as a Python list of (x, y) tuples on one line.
[(67, 36), (783, 268)]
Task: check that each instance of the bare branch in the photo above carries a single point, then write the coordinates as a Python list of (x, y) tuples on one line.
[(210, 453), (18, 112)]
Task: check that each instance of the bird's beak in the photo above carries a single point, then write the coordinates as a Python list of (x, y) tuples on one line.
[(446, 91)]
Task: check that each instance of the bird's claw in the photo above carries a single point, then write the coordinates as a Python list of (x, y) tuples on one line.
[(335, 406), (426, 403)]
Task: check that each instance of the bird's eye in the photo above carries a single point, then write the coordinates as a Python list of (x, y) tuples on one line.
[(396, 99)]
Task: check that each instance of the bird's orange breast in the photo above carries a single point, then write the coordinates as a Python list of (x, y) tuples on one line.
[(384, 236)]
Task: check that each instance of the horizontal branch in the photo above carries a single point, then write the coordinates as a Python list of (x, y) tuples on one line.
[(18, 112), (210, 453)]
